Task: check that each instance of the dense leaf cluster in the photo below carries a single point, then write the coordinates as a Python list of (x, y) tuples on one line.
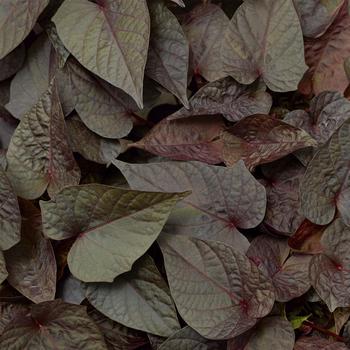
[(174, 175)]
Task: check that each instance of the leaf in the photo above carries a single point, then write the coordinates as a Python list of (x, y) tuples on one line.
[(3, 271), (317, 343), (227, 97), (34, 79), (31, 263), (118, 337), (324, 188), (10, 217), (186, 139), (139, 299), (325, 57), (260, 139), (41, 131), (270, 333), (104, 109), (317, 15), (327, 113), (113, 227), (110, 39), (222, 199), (179, 2), (341, 316), (90, 145), (204, 27), (307, 238), (11, 63), (53, 325), (297, 321), (264, 39), (71, 290), (330, 271), (168, 53), (283, 211), (17, 18), (9, 312), (289, 275), (216, 289), (188, 339)]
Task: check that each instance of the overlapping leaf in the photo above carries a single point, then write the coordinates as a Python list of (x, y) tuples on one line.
[(330, 271), (317, 343), (110, 39), (317, 15), (117, 336), (31, 263), (325, 186), (271, 333), (11, 63), (191, 138), (104, 109), (188, 339), (222, 199), (264, 39), (113, 227), (282, 181), (204, 27), (289, 275), (140, 300), (168, 54), (53, 325), (39, 156), (234, 101), (90, 145), (262, 139), (217, 290), (10, 217), (33, 80), (17, 18), (325, 57)]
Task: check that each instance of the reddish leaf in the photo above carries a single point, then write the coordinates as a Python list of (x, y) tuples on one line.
[(318, 343), (204, 27), (307, 238), (234, 101), (31, 263), (325, 57), (283, 211), (262, 139), (191, 138), (289, 275), (330, 271)]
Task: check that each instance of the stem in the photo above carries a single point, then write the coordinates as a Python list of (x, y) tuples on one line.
[(324, 331)]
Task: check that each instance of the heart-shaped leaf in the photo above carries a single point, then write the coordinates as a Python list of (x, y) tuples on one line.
[(289, 275), (168, 53), (191, 138), (214, 286), (325, 186), (110, 39), (274, 49), (204, 27), (234, 101), (262, 139), (330, 271), (41, 131), (112, 225), (17, 18), (139, 299), (53, 325), (222, 199)]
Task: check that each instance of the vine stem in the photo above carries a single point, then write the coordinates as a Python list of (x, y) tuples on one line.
[(324, 331)]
